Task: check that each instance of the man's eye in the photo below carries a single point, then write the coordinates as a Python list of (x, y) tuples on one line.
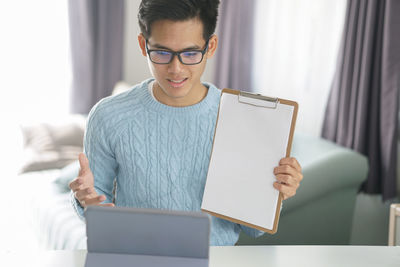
[(162, 53), (190, 54)]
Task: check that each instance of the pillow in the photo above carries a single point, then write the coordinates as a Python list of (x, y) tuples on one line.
[(52, 144), (67, 174)]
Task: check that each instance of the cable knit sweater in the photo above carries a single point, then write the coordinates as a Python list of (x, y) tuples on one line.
[(158, 154)]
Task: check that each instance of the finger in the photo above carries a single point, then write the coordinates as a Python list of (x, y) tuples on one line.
[(285, 169), (107, 205), (286, 179), (75, 184), (83, 163), (287, 191), (289, 170), (85, 193), (94, 201), (292, 162), (287, 175)]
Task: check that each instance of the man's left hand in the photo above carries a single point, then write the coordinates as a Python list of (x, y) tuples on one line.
[(288, 175)]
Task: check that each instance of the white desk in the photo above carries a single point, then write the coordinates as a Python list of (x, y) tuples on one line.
[(243, 256)]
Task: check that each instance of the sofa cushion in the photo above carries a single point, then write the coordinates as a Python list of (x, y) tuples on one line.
[(52, 144), (327, 167)]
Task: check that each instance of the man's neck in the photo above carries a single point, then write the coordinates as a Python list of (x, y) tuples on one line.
[(195, 96)]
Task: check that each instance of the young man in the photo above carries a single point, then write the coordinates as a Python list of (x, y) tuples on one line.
[(155, 140)]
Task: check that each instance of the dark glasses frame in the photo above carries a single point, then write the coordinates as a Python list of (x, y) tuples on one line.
[(178, 54)]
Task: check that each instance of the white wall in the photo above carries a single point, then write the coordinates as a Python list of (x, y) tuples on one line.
[(135, 64)]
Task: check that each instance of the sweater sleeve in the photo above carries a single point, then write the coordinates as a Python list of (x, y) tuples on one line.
[(99, 149), (251, 231), (77, 207)]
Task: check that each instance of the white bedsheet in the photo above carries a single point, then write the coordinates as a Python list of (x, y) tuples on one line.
[(39, 215)]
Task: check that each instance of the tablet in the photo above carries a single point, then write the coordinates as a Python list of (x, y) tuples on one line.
[(118, 236)]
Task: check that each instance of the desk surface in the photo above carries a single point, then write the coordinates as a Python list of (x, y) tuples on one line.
[(249, 256)]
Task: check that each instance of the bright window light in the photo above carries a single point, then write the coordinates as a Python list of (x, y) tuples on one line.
[(35, 60), (295, 50)]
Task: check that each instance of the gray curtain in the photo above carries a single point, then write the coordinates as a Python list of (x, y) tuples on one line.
[(234, 54), (362, 108), (96, 33)]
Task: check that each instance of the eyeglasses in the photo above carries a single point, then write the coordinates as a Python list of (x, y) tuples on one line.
[(187, 57)]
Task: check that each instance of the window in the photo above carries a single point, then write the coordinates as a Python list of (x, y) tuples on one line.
[(34, 54), (295, 48)]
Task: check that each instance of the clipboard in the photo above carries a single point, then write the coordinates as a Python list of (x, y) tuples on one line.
[(252, 133)]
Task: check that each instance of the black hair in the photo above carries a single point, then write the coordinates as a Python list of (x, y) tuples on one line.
[(178, 10)]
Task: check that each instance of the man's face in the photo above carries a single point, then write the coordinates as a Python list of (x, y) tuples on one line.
[(178, 84)]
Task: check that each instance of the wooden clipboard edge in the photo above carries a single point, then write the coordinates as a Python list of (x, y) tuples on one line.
[(293, 125), (273, 231), (230, 91), (288, 150)]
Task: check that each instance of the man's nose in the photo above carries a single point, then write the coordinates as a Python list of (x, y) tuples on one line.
[(175, 65)]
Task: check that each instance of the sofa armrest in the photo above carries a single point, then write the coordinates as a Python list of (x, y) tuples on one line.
[(327, 167)]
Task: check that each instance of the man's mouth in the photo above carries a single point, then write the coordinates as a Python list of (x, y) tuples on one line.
[(177, 83)]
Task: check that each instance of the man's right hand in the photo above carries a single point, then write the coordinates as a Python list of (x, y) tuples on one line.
[(83, 186)]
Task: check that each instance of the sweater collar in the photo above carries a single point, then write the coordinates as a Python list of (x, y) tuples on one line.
[(208, 103)]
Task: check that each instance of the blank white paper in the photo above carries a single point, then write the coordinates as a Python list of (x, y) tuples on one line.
[(248, 144)]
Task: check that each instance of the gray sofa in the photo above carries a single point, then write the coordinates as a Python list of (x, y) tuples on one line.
[(320, 213), (322, 210)]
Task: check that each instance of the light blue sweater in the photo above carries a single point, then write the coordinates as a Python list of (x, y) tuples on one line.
[(158, 154)]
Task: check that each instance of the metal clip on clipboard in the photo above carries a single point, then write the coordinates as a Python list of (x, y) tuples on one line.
[(251, 99)]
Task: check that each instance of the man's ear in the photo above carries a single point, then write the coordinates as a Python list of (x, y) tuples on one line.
[(212, 46), (142, 44)]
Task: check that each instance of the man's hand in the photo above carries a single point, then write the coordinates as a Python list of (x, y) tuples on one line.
[(83, 186), (288, 175)]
